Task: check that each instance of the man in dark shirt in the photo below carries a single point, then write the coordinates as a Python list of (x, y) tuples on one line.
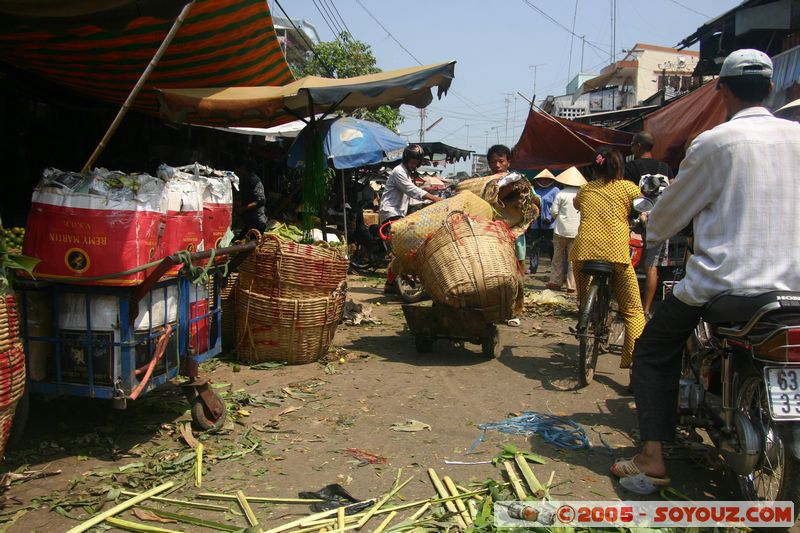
[(643, 165), (252, 200)]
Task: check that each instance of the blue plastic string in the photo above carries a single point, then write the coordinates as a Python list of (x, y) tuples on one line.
[(557, 430)]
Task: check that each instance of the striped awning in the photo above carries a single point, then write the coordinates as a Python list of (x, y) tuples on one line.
[(221, 43)]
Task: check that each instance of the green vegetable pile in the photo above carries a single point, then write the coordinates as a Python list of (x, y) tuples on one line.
[(10, 259), (13, 238)]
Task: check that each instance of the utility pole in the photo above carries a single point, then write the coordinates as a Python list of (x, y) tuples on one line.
[(534, 67), (422, 125), (507, 100), (583, 45)]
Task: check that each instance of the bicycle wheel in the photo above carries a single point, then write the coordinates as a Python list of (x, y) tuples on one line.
[(590, 330)]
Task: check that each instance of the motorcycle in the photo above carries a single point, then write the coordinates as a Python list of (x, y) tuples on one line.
[(367, 249), (741, 383)]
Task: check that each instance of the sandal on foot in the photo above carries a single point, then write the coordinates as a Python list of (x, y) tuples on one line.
[(626, 468)]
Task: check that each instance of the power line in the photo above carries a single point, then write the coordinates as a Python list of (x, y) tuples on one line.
[(378, 22), (328, 23), (690, 9), (557, 23), (303, 36), (332, 17), (340, 18)]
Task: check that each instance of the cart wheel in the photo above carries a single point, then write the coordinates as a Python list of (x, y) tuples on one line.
[(424, 344), (490, 347), (20, 419), (203, 419)]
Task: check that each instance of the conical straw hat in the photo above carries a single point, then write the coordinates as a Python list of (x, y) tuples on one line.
[(572, 176), (544, 174)]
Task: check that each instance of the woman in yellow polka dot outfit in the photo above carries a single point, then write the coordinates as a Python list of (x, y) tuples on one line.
[(604, 234)]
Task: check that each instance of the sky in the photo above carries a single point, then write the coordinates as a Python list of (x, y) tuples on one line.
[(502, 48)]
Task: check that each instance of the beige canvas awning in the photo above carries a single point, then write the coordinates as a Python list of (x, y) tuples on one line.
[(270, 106)]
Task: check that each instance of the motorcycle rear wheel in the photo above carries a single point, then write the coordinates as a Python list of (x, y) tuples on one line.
[(777, 474), (360, 259), (410, 288)]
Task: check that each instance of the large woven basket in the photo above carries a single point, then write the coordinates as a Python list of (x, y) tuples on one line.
[(470, 263), (411, 232), (295, 331), (514, 203), (12, 385), (286, 269), (9, 322), (227, 303)]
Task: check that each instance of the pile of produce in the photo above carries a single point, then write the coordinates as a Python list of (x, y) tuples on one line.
[(511, 195), (13, 238)]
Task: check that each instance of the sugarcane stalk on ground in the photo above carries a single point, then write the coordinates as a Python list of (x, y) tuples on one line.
[(515, 483), (121, 507), (449, 505), (459, 504), (535, 487)]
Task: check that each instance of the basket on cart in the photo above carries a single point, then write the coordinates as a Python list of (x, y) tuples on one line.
[(290, 330), (409, 233), (286, 269), (514, 202), (227, 302), (470, 263)]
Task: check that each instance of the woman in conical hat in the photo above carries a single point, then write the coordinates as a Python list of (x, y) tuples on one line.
[(542, 228)]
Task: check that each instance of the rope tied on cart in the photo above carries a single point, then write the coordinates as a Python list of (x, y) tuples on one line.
[(557, 430), (161, 348), (199, 274)]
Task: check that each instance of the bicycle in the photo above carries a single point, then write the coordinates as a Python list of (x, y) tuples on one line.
[(593, 318), (595, 321)]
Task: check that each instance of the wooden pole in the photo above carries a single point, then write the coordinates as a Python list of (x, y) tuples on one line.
[(139, 84)]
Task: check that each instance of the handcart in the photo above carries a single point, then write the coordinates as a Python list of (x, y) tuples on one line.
[(431, 322), (118, 343)]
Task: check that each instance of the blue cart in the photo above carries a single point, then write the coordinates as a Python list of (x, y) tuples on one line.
[(118, 343)]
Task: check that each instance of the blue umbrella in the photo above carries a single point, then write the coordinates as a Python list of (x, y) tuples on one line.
[(349, 143)]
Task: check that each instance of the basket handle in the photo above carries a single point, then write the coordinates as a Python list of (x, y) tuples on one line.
[(253, 235), (386, 224)]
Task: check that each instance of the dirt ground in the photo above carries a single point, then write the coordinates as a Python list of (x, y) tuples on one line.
[(290, 428)]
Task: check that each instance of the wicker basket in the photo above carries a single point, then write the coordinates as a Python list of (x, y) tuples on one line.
[(9, 322), (470, 263), (295, 331), (515, 203), (411, 232), (12, 385), (286, 269), (227, 303)]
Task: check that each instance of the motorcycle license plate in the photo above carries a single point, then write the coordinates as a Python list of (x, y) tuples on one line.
[(783, 391)]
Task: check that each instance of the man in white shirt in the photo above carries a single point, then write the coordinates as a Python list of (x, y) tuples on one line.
[(399, 189), (738, 185)]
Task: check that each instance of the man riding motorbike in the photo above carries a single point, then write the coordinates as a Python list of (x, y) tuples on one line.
[(399, 189), (737, 184)]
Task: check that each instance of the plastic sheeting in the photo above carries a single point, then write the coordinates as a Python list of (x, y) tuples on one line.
[(555, 143), (675, 125)]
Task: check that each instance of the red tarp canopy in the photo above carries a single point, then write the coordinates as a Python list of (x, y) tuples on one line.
[(675, 125), (556, 143)]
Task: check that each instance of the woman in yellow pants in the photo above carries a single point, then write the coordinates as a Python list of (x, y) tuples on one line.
[(604, 234)]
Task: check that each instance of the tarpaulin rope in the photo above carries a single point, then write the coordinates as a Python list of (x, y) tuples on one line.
[(557, 430), (197, 274)]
